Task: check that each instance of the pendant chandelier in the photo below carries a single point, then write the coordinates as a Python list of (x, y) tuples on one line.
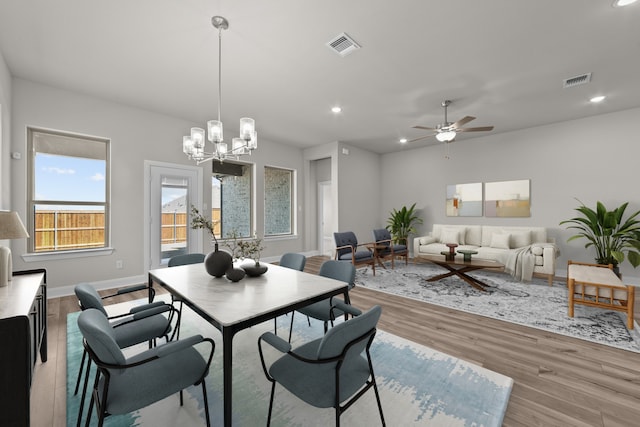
[(193, 145)]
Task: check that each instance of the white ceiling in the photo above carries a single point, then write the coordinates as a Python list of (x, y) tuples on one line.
[(502, 61)]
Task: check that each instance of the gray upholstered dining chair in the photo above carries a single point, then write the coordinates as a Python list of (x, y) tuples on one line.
[(330, 370), (293, 261), (143, 323), (123, 385), (329, 309), (386, 248), (348, 249), (185, 259)]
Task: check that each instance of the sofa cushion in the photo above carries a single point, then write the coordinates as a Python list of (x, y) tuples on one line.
[(520, 239), (437, 248), (500, 241), (450, 236), (439, 229)]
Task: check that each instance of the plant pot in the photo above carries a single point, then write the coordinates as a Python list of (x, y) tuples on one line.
[(255, 270), (235, 274), (217, 262)]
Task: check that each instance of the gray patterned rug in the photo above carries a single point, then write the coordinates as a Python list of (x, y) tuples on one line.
[(534, 304)]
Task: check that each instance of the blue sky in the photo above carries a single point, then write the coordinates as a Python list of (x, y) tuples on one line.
[(69, 178)]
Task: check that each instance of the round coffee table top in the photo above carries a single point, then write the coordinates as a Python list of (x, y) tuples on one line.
[(467, 251)]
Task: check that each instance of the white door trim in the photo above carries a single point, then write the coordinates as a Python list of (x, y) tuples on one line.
[(151, 167)]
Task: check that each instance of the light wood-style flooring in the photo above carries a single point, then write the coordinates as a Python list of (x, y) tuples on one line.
[(558, 381)]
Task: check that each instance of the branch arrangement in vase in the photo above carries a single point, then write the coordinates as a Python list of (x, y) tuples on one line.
[(243, 248)]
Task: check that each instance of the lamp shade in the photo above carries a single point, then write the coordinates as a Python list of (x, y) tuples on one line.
[(11, 227)]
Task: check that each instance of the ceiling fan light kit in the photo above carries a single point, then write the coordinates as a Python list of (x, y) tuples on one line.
[(447, 131)]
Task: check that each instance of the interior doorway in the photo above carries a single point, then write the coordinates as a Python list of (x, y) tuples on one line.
[(326, 219)]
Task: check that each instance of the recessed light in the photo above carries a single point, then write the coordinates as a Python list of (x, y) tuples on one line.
[(403, 140), (621, 3), (336, 109), (597, 99)]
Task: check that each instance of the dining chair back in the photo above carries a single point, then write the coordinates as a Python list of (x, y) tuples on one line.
[(330, 372), (185, 259), (123, 385)]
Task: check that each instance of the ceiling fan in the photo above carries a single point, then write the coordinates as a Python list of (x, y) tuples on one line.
[(447, 131)]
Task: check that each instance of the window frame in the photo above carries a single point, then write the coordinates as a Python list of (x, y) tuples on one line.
[(251, 167), (32, 202), (292, 198)]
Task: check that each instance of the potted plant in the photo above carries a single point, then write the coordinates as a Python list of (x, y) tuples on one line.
[(246, 249), (217, 262), (401, 223), (608, 232)]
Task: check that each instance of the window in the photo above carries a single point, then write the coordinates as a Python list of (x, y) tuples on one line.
[(278, 201), (232, 199), (68, 192)]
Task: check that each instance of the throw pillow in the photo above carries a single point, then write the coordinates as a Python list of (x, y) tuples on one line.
[(500, 241), (450, 236), (462, 231), (520, 239)]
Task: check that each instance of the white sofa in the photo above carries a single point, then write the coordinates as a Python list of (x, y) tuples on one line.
[(504, 244)]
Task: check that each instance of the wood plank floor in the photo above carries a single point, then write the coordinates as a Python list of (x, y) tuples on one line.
[(558, 381)]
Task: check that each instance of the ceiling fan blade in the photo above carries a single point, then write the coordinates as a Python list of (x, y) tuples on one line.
[(478, 129), (422, 137), (463, 121), (424, 128)]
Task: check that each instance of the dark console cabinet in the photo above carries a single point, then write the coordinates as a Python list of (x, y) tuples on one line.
[(23, 332)]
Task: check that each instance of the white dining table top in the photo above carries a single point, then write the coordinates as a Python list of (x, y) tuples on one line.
[(229, 303)]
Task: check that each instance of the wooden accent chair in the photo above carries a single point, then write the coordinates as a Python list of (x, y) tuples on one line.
[(347, 250), (387, 249), (596, 285)]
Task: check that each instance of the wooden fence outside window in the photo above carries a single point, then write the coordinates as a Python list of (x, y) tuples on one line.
[(58, 230)]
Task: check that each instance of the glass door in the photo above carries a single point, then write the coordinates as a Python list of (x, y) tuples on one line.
[(173, 189)]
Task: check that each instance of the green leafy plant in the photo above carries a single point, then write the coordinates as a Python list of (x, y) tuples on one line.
[(608, 232), (401, 223)]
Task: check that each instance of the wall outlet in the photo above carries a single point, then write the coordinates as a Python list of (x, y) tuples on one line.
[(119, 264)]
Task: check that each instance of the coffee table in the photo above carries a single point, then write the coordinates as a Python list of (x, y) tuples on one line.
[(459, 267)]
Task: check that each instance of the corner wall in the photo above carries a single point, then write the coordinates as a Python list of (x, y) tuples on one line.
[(591, 159)]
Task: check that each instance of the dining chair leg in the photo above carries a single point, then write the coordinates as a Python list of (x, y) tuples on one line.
[(291, 326), (84, 390), (84, 356), (206, 403), (273, 390)]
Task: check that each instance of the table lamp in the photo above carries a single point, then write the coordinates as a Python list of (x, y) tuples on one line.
[(10, 228)]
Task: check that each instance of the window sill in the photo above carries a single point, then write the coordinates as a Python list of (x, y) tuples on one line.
[(49, 256), (283, 237)]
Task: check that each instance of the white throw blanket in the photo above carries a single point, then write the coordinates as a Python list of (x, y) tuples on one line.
[(519, 263)]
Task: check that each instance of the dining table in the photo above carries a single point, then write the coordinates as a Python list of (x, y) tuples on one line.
[(233, 306)]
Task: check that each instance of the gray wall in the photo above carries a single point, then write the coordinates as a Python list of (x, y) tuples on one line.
[(5, 134), (136, 135), (591, 159), (359, 195)]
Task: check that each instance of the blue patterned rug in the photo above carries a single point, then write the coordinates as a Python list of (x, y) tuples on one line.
[(534, 304), (418, 386)]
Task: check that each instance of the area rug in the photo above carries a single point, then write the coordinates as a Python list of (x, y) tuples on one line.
[(534, 304), (418, 386)]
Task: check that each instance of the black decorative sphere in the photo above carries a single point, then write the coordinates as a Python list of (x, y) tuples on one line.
[(218, 262), (235, 274)]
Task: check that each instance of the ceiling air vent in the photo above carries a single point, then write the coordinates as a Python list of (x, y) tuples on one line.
[(577, 80), (342, 44)]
